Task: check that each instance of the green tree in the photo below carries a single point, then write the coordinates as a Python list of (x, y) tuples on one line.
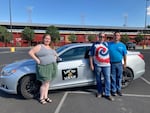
[(72, 38), (139, 38), (91, 37), (28, 34), (125, 38), (53, 31), (8, 38), (148, 26), (5, 35)]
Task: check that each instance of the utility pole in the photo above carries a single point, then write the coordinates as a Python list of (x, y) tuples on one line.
[(82, 19), (125, 20), (146, 14), (29, 9), (145, 27), (10, 15)]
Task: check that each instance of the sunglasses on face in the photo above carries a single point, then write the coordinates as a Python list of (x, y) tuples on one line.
[(101, 36)]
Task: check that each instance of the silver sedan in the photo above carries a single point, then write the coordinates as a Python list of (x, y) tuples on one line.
[(73, 71)]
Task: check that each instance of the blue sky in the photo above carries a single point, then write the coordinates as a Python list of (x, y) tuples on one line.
[(76, 12)]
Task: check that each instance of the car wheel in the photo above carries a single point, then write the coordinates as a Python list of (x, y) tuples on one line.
[(29, 87), (127, 78)]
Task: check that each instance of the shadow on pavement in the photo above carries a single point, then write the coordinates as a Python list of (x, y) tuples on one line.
[(6, 95)]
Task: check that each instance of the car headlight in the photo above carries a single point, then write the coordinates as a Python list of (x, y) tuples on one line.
[(7, 73)]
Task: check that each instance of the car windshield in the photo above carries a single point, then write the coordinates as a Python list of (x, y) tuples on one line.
[(129, 42), (62, 48)]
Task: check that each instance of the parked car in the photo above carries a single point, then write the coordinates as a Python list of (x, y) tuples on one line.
[(130, 45), (73, 71)]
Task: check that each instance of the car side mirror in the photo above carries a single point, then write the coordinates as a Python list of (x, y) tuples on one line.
[(59, 59)]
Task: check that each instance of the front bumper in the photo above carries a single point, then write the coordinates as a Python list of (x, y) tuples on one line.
[(8, 84)]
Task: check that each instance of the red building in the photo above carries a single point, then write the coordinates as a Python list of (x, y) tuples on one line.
[(80, 31)]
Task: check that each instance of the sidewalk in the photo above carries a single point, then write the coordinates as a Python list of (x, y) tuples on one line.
[(141, 47)]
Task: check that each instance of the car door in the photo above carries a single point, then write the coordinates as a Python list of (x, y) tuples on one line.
[(74, 69)]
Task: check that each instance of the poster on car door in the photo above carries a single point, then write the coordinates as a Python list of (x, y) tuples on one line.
[(68, 74)]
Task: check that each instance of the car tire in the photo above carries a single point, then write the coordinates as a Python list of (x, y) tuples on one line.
[(29, 87), (127, 78)]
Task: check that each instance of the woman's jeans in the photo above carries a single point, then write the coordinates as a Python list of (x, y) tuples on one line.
[(116, 76), (106, 74)]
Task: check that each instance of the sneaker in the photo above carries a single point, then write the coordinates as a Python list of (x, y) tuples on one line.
[(109, 98), (99, 95), (113, 94), (119, 93)]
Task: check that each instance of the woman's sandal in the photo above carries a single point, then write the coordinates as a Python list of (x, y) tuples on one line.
[(48, 100), (42, 101)]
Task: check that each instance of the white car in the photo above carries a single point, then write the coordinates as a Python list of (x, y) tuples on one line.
[(73, 71)]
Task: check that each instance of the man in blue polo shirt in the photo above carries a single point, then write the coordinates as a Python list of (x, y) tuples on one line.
[(100, 64), (117, 52)]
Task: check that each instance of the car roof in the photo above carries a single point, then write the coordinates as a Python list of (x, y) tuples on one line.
[(78, 44), (72, 45)]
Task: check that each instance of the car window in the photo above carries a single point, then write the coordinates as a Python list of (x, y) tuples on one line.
[(61, 48), (87, 52), (74, 54)]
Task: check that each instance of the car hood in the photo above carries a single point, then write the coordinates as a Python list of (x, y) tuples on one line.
[(18, 64)]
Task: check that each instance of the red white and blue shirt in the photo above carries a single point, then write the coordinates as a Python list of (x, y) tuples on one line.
[(100, 53)]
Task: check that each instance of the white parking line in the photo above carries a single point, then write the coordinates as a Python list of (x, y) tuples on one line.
[(145, 80), (135, 95), (131, 95), (4, 52), (82, 92), (61, 103)]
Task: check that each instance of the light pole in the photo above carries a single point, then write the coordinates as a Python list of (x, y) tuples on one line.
[(12, 49), (144, 45), (10, 16), (146, 13)]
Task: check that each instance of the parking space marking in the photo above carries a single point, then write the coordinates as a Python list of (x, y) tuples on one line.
[(61, 103), (145, 80), (83, 92), (4, 52), (80, 92), (135, 95)]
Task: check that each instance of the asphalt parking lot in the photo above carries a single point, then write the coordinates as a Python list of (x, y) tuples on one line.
[(135, 99)]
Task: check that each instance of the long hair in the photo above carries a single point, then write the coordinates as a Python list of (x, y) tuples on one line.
[(51, 43)]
